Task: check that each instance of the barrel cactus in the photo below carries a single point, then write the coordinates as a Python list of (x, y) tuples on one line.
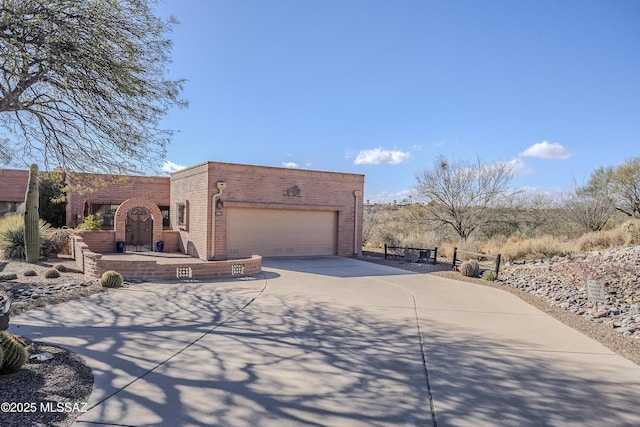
[(470, 268), (31, 217), (111, 279), (52, 273), (14, 353)]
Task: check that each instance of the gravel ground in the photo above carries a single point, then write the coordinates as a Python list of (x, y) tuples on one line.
[(37, 393), (66, 379)]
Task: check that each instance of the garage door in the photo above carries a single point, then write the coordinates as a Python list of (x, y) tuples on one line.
[(281, 232)]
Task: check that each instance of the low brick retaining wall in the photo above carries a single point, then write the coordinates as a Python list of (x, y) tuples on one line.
[(94, 264)]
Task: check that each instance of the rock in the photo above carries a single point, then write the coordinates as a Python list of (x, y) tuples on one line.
[(8, 276)]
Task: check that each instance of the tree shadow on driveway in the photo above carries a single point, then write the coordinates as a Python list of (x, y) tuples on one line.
[(478, 381), (208, 358)]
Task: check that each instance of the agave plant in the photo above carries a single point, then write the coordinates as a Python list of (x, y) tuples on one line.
[(12, 237)]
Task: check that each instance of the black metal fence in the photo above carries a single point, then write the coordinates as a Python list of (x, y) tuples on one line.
[(411, 254), (493, 259)]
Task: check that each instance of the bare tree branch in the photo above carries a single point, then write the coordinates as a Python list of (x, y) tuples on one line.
[(83, 84), (461, 193)]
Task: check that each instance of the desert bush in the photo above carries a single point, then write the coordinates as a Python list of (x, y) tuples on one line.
[(446, 249), (490, 275), (631, 230), (91, 223), (59, 239), (598, 240), (542, 247)]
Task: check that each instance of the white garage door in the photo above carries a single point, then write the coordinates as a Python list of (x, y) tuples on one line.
[(281, 232)]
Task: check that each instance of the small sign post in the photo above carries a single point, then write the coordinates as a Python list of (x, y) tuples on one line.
[(596, 292)]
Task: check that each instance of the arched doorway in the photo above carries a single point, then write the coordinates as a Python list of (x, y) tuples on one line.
[(138, 223), (139, 230)]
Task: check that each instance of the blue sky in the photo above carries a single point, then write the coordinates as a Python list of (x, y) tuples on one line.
[(382, 87)]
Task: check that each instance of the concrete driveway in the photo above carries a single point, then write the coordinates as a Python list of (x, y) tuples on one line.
[(335, 342)]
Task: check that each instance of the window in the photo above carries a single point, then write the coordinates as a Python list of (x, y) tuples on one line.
[(164, 210), (182, 214), (105, 212), (6, 207)]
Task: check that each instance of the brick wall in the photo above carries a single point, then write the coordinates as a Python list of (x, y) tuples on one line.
[(171, 240), (191, 187), (117, 190), (265, 187), (13, 185), (103, 241), (95, 264)]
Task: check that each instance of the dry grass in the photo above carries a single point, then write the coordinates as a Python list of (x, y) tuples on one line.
[(598, 240), (537, 248), (406, 226)]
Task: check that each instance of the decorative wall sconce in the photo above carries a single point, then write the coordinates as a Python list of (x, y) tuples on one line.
[(219, 204)]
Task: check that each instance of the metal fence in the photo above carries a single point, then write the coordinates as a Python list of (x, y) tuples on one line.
[(411, 254)]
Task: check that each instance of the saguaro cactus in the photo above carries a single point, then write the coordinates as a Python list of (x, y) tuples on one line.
[(31, 217)]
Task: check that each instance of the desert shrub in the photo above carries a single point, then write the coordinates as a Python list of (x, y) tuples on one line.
[(445, 249), (111, 279), (493, 245), (52, 273), (59, 239), (539, 248), (631, 230), (470, 268), (91, 223), (598, 240), (490, 275), (30, 273)]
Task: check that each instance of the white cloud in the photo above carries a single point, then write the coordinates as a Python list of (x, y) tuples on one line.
[(291, 165), (546, 150), (378, 155), (519, 167), (170, 167)]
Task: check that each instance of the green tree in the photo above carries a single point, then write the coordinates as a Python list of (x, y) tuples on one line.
[(53, 198), (619, 183), (83, 84), (462, 193)]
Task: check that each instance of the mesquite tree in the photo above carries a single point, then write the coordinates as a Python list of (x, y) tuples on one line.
[(82, 84), (461, 193), (619, 183)]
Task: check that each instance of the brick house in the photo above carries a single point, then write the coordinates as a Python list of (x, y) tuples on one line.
[(218, 211)]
